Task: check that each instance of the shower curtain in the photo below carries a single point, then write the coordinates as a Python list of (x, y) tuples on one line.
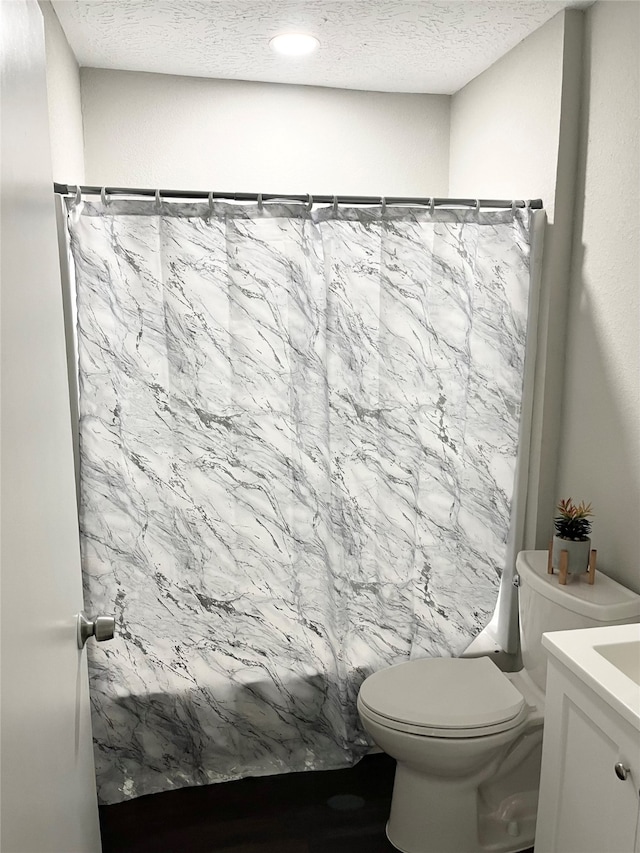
[(298, 437)]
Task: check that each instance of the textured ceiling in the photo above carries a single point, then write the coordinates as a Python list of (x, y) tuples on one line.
[(419, 46)]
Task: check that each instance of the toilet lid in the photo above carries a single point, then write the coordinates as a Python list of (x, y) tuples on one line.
[(446, 693)]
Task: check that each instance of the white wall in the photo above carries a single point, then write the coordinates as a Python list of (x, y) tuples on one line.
[(600, 443), (514, 133), (159, 130), (537, 124), (505, 123), (63, 93)]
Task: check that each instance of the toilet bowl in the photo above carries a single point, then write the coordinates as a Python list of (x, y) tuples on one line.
[(458, 729), (467, 737)]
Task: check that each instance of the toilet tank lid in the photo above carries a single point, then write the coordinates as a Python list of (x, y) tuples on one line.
[(604, 601)]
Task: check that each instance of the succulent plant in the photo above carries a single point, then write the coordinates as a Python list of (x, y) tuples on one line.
[(572, 521)]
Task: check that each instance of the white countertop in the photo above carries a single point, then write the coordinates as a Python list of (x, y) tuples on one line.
[(607, 660)]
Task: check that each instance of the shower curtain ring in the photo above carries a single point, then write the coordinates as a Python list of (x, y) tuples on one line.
[(103, 196), (309, 201), (335, 205), (78, 197), (432, 205), (383, 205), (210, 204), (260, 202), (158, 201), (477, 205)]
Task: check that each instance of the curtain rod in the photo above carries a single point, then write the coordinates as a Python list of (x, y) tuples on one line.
[(72, 189)]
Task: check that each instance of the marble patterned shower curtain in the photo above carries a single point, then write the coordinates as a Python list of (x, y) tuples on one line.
[(298, 440)]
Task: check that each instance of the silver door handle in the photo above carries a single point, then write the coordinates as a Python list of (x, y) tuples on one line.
[(101, 627), (622, 772)]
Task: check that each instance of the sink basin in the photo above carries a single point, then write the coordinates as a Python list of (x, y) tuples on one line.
[(625, 656)]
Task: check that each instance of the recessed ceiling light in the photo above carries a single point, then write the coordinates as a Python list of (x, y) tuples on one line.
[(294, 44)]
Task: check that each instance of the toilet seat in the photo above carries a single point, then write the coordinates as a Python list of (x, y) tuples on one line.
[(443, 697)]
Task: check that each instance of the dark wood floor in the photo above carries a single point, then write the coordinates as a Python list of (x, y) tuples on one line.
[(338, 811)]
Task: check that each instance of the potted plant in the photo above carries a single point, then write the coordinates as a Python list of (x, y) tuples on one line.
[(573, 527)]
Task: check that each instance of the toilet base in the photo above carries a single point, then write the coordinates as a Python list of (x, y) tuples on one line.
[(488, 850), (448, 816)]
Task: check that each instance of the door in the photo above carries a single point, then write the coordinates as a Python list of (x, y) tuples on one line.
[(47, 776)]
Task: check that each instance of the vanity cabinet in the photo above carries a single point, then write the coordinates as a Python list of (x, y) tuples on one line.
[(584, 807)]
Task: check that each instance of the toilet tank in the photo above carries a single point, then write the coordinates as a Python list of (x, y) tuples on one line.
[(545, 605)]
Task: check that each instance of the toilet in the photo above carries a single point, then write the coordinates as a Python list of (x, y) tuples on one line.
[(466, 736)]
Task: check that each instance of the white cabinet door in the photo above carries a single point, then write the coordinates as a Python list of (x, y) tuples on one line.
[(584, 807), (48, 783), (597, 810)]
